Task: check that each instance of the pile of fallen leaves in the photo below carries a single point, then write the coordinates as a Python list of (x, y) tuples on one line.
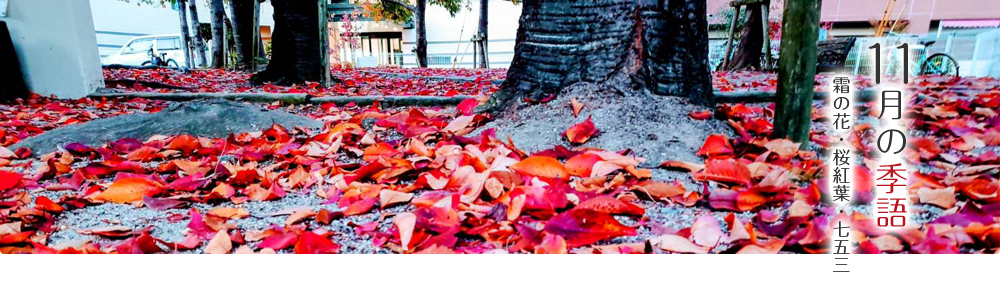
[(32, 116), (353, 83), (433, 187)]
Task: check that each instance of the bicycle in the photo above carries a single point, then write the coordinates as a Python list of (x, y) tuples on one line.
[(159, 60), (935, 64)]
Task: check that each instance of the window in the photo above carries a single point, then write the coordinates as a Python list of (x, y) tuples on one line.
[(138, 46), (166, 44)]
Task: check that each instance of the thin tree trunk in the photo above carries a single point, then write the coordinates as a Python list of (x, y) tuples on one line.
[(298, 53), (185, 33), (420, 14), (797, 70), (217, 7), (245, 33), (749, 52), (662, 47), (199, 41), (484, 6)]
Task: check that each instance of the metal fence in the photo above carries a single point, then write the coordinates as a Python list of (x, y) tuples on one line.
[(976, 50)]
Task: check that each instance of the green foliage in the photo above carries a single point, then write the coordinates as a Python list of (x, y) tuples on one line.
[(401, 11)]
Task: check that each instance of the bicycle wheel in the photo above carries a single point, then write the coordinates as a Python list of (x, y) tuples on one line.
[(147, 63), (939, 64), (172, 64)]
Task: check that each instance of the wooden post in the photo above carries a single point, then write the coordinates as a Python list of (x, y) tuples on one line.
[(767, 34), (797, 70), (729, 42)]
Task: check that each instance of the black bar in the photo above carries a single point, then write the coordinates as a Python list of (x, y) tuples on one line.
[(964, 273), (886, 263), (773, 273)]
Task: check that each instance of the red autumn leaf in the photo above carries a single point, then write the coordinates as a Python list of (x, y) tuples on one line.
[(279, 241), (613, 206), (184, 143), (552, 244), (541, 166), (360, 207), (716, 146), (581, 132), (466, 106), (9, 180), (726, 171), (312, 243), (583, 226), (701, 115), (46, 204)]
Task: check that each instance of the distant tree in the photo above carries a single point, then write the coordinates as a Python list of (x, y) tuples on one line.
[(218, 11), (400, 12), (198, 40), (246, 32)]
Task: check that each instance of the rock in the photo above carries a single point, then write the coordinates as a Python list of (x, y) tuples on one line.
[(203, 118)]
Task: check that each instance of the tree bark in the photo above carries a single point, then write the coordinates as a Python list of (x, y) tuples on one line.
[(199, 41), (749, 52), (797, 70), (185, 33), (298, 52), (421, 18), (484, 13), (661, 46), (217, 7), (245, 32)]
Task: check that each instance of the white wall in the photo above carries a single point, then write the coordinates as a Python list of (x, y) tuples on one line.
[(56, 46), (443, 34), (117, 21)]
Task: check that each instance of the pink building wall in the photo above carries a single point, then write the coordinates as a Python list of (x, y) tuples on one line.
[(920, 13)]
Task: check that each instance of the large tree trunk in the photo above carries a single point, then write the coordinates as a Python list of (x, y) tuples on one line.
[(420, 14), (749, 52), (245, 32), (185, 42), (797, 70), (484, 13), (617, 59), (298, 52), (199, 41), (660, 45), (217, 7)]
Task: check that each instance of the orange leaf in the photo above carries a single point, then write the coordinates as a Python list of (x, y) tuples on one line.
[(660, 190), (581, 164), (576, 105), (982, 190), (390, 197), (687, 166), (725, 170), (541, 166), (716, 146), (128, 190), (678, 244), (552, 244), (379, 150), (613, 206), (701, 115), (944, 198), (782, 147), (405, 222), (229, 212), (221, 243), (580, 133)]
